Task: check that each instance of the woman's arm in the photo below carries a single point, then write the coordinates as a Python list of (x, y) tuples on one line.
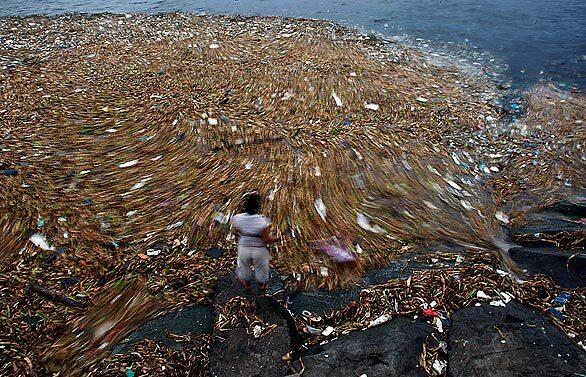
[(267, 238)]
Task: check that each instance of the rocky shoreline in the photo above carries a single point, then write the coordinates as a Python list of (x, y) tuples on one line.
[(127, 139)]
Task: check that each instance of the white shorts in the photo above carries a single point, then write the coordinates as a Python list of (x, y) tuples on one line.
[(256, 257)]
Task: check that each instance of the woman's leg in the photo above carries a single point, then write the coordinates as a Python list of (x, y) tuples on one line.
[(261, 265), (243, 264)]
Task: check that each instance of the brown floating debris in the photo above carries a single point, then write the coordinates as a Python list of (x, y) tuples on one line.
[(133, 139)]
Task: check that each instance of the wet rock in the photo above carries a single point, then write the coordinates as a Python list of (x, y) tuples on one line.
[(391, 349), (510, 341), (574, 207), (195, 320), (565, 268), (549, 223), (547, 228), (319, 302), (237, 353)]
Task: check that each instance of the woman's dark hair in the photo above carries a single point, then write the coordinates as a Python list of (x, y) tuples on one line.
[(252, 203)]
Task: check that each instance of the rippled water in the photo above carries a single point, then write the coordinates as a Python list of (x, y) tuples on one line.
[(532, 39)]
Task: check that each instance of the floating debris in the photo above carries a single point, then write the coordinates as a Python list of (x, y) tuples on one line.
[(371, 106)]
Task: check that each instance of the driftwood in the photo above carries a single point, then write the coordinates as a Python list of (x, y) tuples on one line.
[(56, 297)]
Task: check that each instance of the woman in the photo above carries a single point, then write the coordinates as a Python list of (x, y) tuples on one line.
[(252, 231)]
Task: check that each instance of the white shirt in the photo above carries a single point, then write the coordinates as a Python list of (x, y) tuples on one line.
[(250, 228)]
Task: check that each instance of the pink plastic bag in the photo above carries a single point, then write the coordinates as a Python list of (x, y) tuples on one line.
[(333, 248)]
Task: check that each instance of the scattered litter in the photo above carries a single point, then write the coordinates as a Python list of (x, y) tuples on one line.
[(40, 241), (364, 223), (371, 106), (430, 313), (439, 366), (500, 216), (379, 320), (480, 294), (337, 99), (257, 331), (320, 208), (561, 299), (328, 331), (128, 164)]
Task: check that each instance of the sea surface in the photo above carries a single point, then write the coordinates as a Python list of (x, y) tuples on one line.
[(526, 40)]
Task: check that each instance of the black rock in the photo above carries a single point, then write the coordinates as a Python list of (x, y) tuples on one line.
[(565, 268), (194, 320), (391, 349), (237, 353), (320, 302), (511, 341), (215, 252)]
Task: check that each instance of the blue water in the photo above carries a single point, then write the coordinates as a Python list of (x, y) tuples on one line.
[(532, 39)]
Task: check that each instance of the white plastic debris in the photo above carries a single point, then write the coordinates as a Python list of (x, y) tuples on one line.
[(337, 99), (128, 164), (323, 271), (84, 172), (506, 296), (140, 184), (313, 330), (111, 130), (500, 216), (498, 303), (41, 241), (248, 165), (103, 329), (482, 295), (438, 324), (371, 106), (364, 223), (256, 331), (466, 204), (430, 205), (214, 46), (153, 252), (321, 208), (328, 331), (379, 320), (454, 184), (439, 366), (175, 225), (212, 121), (421, 99)]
